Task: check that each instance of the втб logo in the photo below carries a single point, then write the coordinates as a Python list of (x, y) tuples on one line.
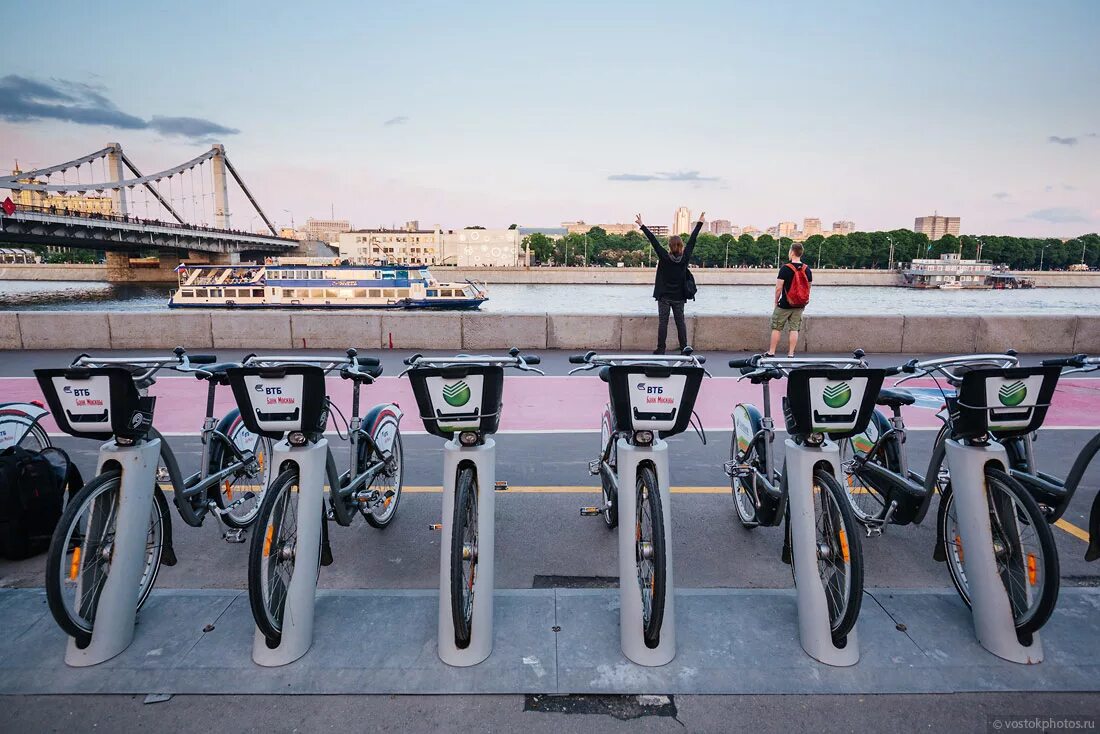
[(457, 394), (837, 396), (1012, 394)]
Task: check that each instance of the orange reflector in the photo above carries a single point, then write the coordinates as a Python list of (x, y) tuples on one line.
[(386, 502), (75, 567), (267, 540), (639, 533), (1032, 569), (260, 460), (473, 572), (228, 490), (844, 546), (959, 547)]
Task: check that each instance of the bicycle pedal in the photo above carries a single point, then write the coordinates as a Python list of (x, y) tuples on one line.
[(590, 511), (435, 526), (500, 485), (234, 535), (594, 467), (249, 496)]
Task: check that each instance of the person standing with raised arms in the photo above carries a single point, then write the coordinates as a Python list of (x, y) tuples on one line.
[(674, 284)]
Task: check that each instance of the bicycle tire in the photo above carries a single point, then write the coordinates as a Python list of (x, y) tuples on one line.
[(275, 537), (464, 554), (649, 503), (608, 491), (845, 599), (389, 504), (868, 504), (1032, 618), (62, 566), (742, 499), (32, 430), (220, 458)]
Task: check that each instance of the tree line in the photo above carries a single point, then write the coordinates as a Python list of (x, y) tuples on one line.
[(855, 250)]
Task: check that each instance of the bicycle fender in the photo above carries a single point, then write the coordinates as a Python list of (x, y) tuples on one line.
[(380, 430)]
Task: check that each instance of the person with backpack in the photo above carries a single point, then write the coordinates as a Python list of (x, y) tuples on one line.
[(674, 284), (792, 294)]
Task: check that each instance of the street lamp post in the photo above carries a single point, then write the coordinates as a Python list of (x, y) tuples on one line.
[(291, 218), (1042, 254), (890, 265), (726, 262), (586, 249)]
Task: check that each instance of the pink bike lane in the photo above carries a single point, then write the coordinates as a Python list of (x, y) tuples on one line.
[(552, 404)]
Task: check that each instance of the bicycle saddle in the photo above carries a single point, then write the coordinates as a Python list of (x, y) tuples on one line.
[(895, 398)]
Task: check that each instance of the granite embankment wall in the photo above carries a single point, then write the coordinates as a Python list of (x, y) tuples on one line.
[(560, 276), (80, 330)]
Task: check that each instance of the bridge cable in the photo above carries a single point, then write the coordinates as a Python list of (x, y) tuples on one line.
[(150, 186)]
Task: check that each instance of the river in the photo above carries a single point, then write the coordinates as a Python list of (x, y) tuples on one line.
[(621, 299)]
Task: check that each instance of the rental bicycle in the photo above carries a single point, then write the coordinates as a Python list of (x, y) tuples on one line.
[(83, 398), (371, 486), (1054, 494), (652, 397), (460, 399), (760, 490), (1023, 544), (20, 425)]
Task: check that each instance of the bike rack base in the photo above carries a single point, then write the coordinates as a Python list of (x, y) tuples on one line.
[(814, 630), (481, 634), (297, 632), (993, 622), (116, 610), (631, 627)]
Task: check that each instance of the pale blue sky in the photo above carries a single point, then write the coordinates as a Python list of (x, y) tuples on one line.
[(524, 112)]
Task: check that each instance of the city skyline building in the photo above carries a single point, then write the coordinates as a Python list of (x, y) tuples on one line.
[(582, 227), (811, 226), (936, 226), (721, 227), (681, 221), (844, 227), (326, 230), (787, 229)]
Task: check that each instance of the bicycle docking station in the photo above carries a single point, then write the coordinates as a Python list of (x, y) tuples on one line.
[(1009, 401), (462, 403), (827, 403), (289, 399), (101, 403)]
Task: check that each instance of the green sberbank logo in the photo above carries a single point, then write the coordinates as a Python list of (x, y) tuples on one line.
[(837, 396), (457, 394), (1012, 394)]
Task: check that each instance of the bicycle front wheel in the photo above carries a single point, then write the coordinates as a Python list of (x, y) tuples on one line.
[(17, 430), (608, 490), (1023, 547), (464, 555), (839, 553), (388, 482), (241, 494), (272, 555), (650, 553), (82, 552)]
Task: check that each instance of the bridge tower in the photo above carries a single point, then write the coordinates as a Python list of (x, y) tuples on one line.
[(114, 165), (221, 190)]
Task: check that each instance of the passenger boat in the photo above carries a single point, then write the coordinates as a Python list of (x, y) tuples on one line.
[(949, 272), (320, 283)]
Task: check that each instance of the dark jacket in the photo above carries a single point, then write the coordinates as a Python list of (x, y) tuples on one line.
[(671, 275)]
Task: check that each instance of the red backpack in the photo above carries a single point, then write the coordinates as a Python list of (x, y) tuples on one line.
[(798, 294)]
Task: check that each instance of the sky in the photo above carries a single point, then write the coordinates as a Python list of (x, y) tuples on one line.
[(493, 113)]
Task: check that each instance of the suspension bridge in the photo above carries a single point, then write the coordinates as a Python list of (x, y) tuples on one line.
[(101, 201)]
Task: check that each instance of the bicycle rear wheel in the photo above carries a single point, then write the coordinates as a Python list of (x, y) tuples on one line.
[(610, 493), (82, 551), (32, 437), (650, 553), (273, 554), (464, 555), (388, 481), (241, 495), (1023, 546), (839, 553)]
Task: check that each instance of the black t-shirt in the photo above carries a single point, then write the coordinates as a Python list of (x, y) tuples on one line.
[(787, 275)]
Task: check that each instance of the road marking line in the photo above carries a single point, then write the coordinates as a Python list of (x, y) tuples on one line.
[(1073, 530)]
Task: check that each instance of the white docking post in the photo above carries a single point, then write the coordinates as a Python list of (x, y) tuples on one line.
[(814, 630), (631, 625), (481, 634), (116, 610), (297, 630), (993, 622)]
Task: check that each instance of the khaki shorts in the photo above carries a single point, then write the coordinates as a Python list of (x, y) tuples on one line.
[(792, 316)]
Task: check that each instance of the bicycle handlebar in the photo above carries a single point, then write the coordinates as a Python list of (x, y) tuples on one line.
[(202, 358), (515, 359), (1077, 360)]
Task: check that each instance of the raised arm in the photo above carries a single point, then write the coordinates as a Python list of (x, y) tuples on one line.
[(650, 236), (694, 234)]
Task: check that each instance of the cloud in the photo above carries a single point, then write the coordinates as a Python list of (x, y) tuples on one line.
[(26, 100), (1001, 195), (692, 176), (399, 120), (189, 127), (1059, 215), (1092, 135), (1062, 141)]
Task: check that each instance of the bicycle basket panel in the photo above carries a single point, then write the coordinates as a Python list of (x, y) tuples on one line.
[(654, 398), (836, 402), (1007, 402), (280, 399), (96, 402), (464, 398)]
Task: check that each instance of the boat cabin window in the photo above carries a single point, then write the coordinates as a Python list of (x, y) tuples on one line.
[(187, 294), (390, 293), (389, 275), (433, 294), (375, 293), (402, 274)]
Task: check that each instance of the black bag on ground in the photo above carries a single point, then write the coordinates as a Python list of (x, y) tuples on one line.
[(34, 487), (690, 289)]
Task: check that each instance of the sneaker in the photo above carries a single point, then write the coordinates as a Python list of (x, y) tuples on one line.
[(658, 351)]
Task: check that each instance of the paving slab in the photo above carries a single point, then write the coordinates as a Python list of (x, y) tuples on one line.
[(730, 641)]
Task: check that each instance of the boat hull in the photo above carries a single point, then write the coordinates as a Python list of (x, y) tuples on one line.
[(465, 305)]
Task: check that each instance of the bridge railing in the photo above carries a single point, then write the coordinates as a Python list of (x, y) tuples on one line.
[(128, 219)]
